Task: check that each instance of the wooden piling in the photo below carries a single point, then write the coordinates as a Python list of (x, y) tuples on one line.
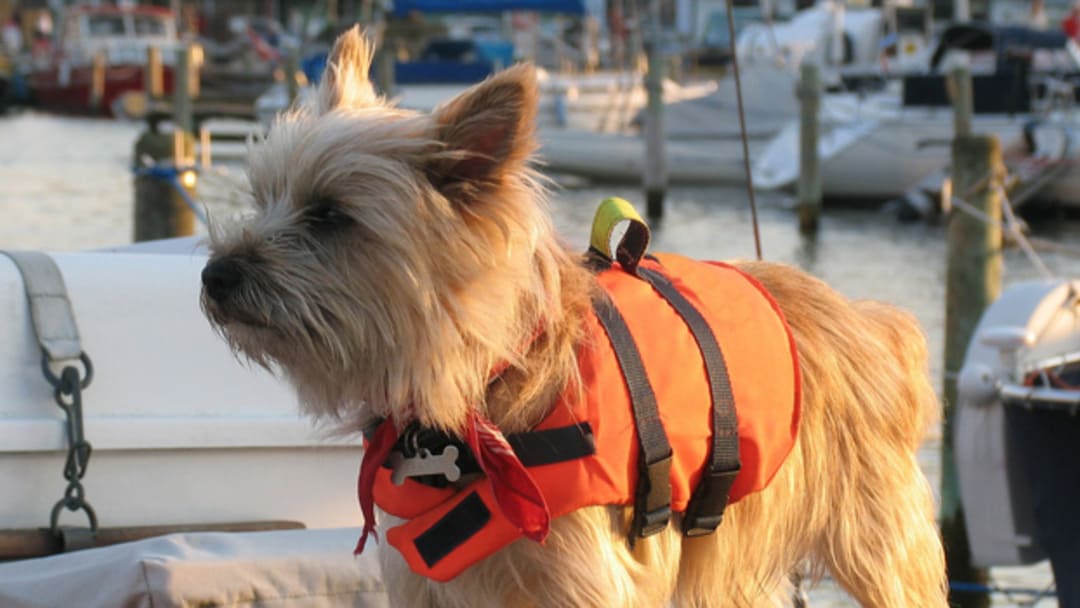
[(960, 92), (809, 187), (655, 174), (973, 282), (387, 60), (153, 74), (292, 68), (160, 210), (97, 81), (182, 108)]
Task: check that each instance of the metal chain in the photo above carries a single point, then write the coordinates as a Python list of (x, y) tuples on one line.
[(68, 387)]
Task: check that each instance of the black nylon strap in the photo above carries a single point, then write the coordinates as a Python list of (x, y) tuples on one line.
[(533, 448), (453, 529), (652, 501), (549, 446), (706, 507)]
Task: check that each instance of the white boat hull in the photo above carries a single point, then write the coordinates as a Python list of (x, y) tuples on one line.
[(182, 431), (876, 150), (1029, 322)]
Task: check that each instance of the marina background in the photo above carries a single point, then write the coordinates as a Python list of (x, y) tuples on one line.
[(66, 184)]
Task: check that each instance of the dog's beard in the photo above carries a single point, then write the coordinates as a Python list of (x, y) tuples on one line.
[(272, 333)]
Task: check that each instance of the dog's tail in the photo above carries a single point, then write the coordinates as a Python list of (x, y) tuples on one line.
[(863, 362)]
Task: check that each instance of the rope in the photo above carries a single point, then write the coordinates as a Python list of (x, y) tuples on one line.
[(1012, 225), (1008, 592), (1021, 240), (742, 125), (171, 175)]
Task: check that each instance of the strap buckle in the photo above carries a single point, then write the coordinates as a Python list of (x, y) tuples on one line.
[(706, 508), (652, 506)]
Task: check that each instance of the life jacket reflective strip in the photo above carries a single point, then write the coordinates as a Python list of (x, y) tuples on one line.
[(450, 529)]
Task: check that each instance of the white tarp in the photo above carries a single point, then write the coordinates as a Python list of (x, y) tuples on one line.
[(295, 568)]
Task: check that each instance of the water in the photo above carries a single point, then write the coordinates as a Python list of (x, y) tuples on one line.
[(65, 184)]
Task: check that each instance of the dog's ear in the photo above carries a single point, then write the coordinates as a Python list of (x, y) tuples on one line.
[(488, 131), (345, 82)]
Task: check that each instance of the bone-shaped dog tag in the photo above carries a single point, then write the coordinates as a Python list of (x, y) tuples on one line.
[(425, 463)]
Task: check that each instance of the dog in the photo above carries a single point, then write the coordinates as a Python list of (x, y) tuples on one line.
[(402, 267)]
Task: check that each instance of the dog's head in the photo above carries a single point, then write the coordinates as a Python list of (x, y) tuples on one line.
[(394, 255)]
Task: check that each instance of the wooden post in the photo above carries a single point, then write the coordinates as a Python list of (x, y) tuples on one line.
[(809, 93), (153, 76), (196, 58), (292, 67), (636, 43), (97, 81), (331, 12), (560, 51), (387, 60), (960, 92), (182, 110), (160, 212), (655, 173), (973, 278)]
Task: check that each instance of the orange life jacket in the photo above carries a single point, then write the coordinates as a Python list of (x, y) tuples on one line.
[(450, 529)]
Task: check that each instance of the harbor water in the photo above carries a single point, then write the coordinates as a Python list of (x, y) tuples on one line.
[(66, 185)]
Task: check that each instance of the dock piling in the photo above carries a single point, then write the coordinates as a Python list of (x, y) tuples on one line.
[(183, 83), (97, 81), (973, 282), (655, 174), (960, 92), (809, 187), (292, 68), (153, 76), (161, 210)]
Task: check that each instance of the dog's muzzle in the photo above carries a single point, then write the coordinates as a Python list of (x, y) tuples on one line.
[(221, 278)]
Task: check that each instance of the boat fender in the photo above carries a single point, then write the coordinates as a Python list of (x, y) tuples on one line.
[(977, 384)]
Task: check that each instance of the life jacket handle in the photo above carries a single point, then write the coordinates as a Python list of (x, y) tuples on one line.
[(632, 244)]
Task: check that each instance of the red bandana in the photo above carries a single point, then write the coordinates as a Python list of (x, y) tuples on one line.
[(515, 490)]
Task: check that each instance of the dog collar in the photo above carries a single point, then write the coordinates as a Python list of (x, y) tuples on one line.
[(516, 492)]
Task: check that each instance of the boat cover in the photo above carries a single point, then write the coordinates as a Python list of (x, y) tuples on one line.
[(1002, 39), (296, 568)]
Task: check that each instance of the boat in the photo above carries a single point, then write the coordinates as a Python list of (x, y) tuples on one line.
[(1017, 432), (848, 41), (168, 433), (879, 145), (701, 123), (118, 38)]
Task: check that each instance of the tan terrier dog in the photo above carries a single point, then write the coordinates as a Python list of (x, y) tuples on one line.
[(403, 272)]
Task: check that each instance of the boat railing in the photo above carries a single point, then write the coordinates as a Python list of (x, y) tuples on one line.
[(1041, 397), (1048, 383)]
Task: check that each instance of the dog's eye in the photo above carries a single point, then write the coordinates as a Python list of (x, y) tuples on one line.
[(325, 215)]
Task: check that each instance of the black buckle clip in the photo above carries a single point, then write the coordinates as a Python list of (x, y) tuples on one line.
[(652, 508), (706, 508), (651, 522)]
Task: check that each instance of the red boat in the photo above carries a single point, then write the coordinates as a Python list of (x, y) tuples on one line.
[(63, 78)]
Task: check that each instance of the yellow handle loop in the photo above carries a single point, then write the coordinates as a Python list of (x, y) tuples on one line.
[(634, 242)]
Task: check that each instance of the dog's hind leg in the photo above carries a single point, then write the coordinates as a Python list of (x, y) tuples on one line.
[(883, 546), (867, 510)]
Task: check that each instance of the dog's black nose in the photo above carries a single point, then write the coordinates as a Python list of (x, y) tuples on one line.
[(221, 277)]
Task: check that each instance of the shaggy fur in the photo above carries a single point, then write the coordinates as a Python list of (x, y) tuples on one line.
[(397, 256)]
